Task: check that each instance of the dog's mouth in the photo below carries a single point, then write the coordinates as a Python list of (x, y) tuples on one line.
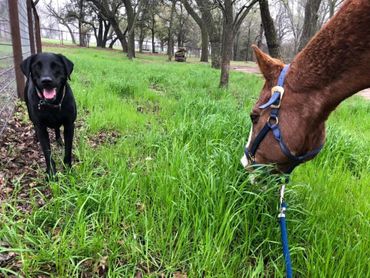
[(49, 93)]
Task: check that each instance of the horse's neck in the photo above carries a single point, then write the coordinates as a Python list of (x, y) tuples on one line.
[(336, 62)]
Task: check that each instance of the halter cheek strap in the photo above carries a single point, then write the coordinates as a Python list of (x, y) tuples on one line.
[(272, 124)]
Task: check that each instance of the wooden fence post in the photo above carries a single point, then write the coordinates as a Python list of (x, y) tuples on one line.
[(17, 46)]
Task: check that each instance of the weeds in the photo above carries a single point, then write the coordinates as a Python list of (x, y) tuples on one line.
[(169, 196)]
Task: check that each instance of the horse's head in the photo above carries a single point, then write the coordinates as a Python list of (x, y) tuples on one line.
[(287, 128)]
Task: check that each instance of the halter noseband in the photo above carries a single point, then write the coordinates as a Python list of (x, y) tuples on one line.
[(272, 124)]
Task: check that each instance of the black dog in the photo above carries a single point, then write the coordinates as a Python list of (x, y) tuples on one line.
[(50, 102)]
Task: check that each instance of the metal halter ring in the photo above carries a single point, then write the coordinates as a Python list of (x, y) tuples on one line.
[(274, 118), (280, 90)]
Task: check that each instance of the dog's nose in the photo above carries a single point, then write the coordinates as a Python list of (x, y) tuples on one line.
[(46, 80)]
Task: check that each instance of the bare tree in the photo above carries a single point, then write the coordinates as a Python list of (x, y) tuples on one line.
[(76, 10), (310, 25), (132, 11), (61, 17), (294, 13), (333, 5), (170, 44), (270, 31), (212, 18), (203, 29), (109, 9), (231, 25), (97, 22)]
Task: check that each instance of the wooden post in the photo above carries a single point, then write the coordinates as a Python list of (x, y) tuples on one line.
[(30, 27), (17, 46)]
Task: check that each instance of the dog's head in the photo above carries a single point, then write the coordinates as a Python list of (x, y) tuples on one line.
[(49, 73)]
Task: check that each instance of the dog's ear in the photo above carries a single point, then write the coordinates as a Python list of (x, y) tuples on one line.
[(26, 65), (68, 65)]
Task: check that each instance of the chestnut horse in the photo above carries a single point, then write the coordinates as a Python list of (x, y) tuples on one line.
[(289, 119)]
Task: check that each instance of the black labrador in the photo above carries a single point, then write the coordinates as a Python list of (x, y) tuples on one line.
[(50, 102)]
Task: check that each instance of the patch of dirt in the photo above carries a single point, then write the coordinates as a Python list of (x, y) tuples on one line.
[(22, 162), (147, 108), (109, 137), (6, 258), (365, 94), (247, 69), (21, 159)]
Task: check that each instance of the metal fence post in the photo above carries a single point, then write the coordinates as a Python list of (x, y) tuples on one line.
[(17, 46), (37, 29), (30, 27)]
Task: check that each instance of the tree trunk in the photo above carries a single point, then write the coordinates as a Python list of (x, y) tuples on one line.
[(82, 35), (170, 35), (248, 44), (332, 4), (213, 31), (121, 36), (270, 32), (113, 42), (141, 39), (105, 34), (227, 42), (131, 28), (310, 22), (70, 32), (236, 47), (205, 44), (99, 36), (203, 29), (153, 42), (152, 29), (180, 35), (259, 41), (216, 53)]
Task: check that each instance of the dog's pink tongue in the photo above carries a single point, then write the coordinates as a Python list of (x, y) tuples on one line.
[(49, 93)]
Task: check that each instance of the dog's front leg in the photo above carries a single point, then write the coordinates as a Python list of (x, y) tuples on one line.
[(68, 141), (43, 136), (58, 138)]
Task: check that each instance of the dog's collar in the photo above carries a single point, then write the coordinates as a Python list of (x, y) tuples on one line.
[(44, 104)]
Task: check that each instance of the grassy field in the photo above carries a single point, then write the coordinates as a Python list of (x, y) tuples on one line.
[(164, 194)]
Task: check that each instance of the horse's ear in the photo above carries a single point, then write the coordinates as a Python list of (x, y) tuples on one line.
[(269, 67)]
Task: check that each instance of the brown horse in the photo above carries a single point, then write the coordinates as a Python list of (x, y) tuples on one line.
[(334, 65)]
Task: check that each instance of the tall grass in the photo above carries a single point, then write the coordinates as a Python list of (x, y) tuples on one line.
[(169, 194)]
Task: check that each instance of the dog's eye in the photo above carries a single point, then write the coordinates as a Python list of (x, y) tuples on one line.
[(38, 66), (254, 117)]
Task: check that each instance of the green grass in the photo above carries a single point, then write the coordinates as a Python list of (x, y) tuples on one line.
[(170, 194)]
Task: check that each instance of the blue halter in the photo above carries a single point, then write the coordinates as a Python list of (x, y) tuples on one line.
[(273, 124)]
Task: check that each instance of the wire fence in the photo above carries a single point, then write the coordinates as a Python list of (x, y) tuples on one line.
[(63, 37), (18, 30)]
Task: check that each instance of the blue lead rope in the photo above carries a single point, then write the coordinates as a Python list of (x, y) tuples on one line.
[(284, 234)]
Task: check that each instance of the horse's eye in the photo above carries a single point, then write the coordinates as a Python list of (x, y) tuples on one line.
[(254, 118)]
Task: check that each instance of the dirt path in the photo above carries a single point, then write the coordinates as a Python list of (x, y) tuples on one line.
[(254, 69), (246, 69), (365, 94)]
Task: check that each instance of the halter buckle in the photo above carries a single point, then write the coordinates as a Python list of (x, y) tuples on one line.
[(277, 89)]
